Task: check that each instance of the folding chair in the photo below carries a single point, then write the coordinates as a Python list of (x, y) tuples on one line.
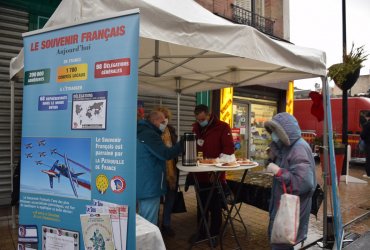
[(230, 198)]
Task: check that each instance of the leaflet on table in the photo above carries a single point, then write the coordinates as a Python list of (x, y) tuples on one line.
[(97, 231), (59, 239), (114, 215), (123, 217)]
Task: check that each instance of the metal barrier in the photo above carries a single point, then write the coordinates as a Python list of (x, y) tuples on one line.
[(353, 140), (310, 138)]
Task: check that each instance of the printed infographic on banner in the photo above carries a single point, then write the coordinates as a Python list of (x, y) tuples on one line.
[(89, 110), (79, 136)]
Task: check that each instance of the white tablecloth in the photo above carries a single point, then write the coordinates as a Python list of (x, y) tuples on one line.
[(148, 235), (197, 169)]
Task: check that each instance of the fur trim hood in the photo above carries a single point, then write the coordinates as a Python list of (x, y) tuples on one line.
[(286, 128)]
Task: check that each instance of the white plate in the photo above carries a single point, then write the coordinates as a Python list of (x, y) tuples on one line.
[(207, 164), (249, 164), (219, 165)]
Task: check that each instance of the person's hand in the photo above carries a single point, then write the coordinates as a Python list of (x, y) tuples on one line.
[(273, 168)]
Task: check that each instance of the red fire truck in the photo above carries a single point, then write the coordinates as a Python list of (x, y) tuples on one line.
[(357, 108)]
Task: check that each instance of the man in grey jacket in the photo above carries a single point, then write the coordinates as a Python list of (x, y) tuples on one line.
[(294, 165)]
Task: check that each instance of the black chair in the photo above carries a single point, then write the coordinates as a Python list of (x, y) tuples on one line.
[(235, 213)]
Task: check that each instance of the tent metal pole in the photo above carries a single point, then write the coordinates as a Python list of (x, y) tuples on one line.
[(325, 151), (12, 99), (181, 63), (156, 58), (178, 90)]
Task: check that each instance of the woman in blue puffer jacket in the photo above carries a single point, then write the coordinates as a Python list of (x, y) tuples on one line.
[(294, 165)]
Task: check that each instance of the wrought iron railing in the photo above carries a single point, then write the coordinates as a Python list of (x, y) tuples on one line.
[(247, 17)]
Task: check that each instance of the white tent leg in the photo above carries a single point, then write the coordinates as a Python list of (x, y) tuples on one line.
[(326, 167), (347, 162)]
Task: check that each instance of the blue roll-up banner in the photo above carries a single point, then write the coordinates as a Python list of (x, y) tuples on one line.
[(78, 152)]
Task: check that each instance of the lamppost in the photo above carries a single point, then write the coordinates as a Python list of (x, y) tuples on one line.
[(344, 92)]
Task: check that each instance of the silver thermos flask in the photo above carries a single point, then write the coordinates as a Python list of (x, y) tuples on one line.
[(189, 155)]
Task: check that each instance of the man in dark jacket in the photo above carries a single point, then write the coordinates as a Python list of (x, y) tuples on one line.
[(213, 139), (151, 158), (365, 136)]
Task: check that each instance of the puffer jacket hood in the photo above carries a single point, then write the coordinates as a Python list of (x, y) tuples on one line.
[(286, 128)]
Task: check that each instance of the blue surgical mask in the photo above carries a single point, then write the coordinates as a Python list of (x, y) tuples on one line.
[(274, 137), (203, 123), (162, 127)]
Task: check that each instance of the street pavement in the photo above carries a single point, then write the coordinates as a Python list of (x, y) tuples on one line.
[(354, 200)]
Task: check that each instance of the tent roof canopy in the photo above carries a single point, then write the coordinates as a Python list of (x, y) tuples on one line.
[(185, 48)]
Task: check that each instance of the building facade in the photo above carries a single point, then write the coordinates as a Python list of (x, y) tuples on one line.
[(268, 16)]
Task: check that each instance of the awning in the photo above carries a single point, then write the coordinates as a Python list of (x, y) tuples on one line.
[(185, 48)]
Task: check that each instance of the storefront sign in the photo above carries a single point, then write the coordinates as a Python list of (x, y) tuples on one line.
[(290, 98), (226, 105), (78, 147)]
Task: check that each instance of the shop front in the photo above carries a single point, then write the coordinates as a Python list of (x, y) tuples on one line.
[(249, 117), (251, 108)]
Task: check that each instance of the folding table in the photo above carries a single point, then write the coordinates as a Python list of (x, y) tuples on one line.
[(216, 172)]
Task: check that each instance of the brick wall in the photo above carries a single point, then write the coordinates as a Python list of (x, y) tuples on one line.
[(273, 11), (219, 7)]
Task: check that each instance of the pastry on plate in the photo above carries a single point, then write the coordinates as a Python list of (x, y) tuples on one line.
[(244, 161), (230, 164), (208, 161)]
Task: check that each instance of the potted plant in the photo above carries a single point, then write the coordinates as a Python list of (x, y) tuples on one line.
[(339, 151), (345, 74)]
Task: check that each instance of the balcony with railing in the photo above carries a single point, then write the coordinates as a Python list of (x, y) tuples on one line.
[(243, 16)]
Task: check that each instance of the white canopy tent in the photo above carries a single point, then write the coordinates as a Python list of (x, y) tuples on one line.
[(185, 48)]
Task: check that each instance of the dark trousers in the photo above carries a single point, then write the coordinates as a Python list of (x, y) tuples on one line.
[(282, 248), (367, 164), (214, 210), (167, 206)]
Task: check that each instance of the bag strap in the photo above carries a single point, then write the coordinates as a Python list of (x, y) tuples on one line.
[(282, 180), (284, 187)]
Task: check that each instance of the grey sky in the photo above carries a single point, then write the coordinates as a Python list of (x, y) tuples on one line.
[(318, 24)]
